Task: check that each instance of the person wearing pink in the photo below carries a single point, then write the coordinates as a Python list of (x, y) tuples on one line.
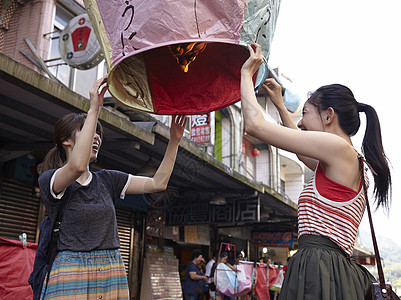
[(332, 204)]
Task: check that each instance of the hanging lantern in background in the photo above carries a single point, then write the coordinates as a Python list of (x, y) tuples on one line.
[(78, 45), (255, 152), (179, 57)]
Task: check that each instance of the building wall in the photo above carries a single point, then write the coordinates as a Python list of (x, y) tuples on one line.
[(237, 135), (293, 186), (292, 174), (226, 141), (248, 164), (263, 167), (31, 19)]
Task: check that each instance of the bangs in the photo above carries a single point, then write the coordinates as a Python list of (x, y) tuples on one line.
[(79, 122)]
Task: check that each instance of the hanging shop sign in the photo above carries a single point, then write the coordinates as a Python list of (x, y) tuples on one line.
[(78, 45), (244, 211), (197, 234), (202, 129), (165, 57), (272, 238), (191, 234)]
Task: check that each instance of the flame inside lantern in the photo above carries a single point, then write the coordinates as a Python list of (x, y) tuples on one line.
[(186, 53)]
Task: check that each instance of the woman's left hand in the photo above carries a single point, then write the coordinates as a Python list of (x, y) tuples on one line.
[(177, 127), (96, 93), (254, 61), (274, 92)]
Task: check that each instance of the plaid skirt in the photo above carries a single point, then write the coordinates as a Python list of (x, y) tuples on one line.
[(321, 270), (98, 274)]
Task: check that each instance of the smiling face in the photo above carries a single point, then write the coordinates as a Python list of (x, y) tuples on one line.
[(97, 142), (95, 147), (311, 118)]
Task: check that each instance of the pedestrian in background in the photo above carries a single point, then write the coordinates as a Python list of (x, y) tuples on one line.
[(192, 277), (208, 273), (223, 260)]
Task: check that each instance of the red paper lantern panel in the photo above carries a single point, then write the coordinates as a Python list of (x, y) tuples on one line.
[(175, 57)]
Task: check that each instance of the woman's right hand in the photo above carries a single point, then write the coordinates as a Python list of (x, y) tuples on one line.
[(273, 89), (96, 96), (254, 61), (177, 127)]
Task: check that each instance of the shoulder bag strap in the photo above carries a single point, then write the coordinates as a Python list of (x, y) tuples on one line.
[(52, 251), (57, 223), (377, 254)]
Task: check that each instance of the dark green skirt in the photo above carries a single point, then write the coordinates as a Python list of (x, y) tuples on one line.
[(320, 270)]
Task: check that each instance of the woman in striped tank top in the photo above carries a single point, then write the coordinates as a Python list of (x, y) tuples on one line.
[(332, 204)]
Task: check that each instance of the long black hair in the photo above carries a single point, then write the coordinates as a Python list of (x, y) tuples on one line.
[(342, 100), (65, 129)]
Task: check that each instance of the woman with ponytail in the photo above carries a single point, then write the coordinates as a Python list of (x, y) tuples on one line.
[(88, 264), (331, 205)]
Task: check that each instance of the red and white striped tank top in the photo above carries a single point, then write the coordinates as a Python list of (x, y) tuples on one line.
[(330, 209)]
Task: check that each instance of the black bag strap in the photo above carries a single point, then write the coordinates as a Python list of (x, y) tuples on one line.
[(372, 230), (56, 225), (52, 250)]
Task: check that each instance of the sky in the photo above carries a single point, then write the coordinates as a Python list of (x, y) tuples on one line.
[(357, 44)]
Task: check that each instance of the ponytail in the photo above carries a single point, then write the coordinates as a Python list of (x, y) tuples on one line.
[(54, 159), (342, 100), (64, 129), (372, 149)]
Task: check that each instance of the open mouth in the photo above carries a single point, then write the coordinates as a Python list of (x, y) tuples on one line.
[(95, 147)]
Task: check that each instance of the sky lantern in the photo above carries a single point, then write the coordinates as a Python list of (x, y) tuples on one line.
[(179, 57)]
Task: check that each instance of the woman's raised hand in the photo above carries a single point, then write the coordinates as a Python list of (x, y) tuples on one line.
[(254, 61), (177, 127), (143, 185), (273, 89), (96, 96)]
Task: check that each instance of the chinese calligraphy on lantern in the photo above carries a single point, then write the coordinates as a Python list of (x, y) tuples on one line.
[(128, 14)]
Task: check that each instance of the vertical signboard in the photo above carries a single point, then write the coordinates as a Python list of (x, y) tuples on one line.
[(191, 234), (202, 129)]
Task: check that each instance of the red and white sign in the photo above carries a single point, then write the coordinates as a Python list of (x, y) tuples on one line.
[(78, 45), (201, 129)]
